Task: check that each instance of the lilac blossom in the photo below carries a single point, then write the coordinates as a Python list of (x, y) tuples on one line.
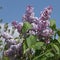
[(32, 32), (14, 23), (29, 9), (40, 26), (11, 42), (14, 50), (29, 15), (6, 35), (47, 32), (18, 26), (34, 26), (47, 41), (8, 39), (9, 52), (45, 15)]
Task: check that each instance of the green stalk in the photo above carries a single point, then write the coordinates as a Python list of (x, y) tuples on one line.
[(41, 54)]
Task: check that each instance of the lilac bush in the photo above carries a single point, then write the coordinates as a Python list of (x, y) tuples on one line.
[(35, 38)]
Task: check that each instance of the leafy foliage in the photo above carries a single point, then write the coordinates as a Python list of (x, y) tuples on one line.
[(26, 27), (53, 24), (33, 39)]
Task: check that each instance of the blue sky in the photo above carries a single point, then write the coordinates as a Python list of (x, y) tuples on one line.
[(14, 9)]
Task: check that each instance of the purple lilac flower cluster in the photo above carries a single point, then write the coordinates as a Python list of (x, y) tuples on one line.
[(29, 15), (14, 48), (8, 39), (41, 24), (40, 28), (17, 25)]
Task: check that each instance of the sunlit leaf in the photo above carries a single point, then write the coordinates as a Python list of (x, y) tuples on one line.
[(24, 48), (31, 40), (49, 54), (53, 24), (55, 48), (58, 40), (26, 26), (58, 32), (5, 58), (38, 45)]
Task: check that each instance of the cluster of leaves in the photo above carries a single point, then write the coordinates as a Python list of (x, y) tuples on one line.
[(28, 46)]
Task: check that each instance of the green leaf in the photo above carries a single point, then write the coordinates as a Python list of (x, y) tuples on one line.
[(26, 26), (41, 58), (58, 32), (5, 58), (58, 40), (55, 48), (38, 45), (44, 58), (31, 40), (24, 48), (49, 54), (41, 55), (53, 24)]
